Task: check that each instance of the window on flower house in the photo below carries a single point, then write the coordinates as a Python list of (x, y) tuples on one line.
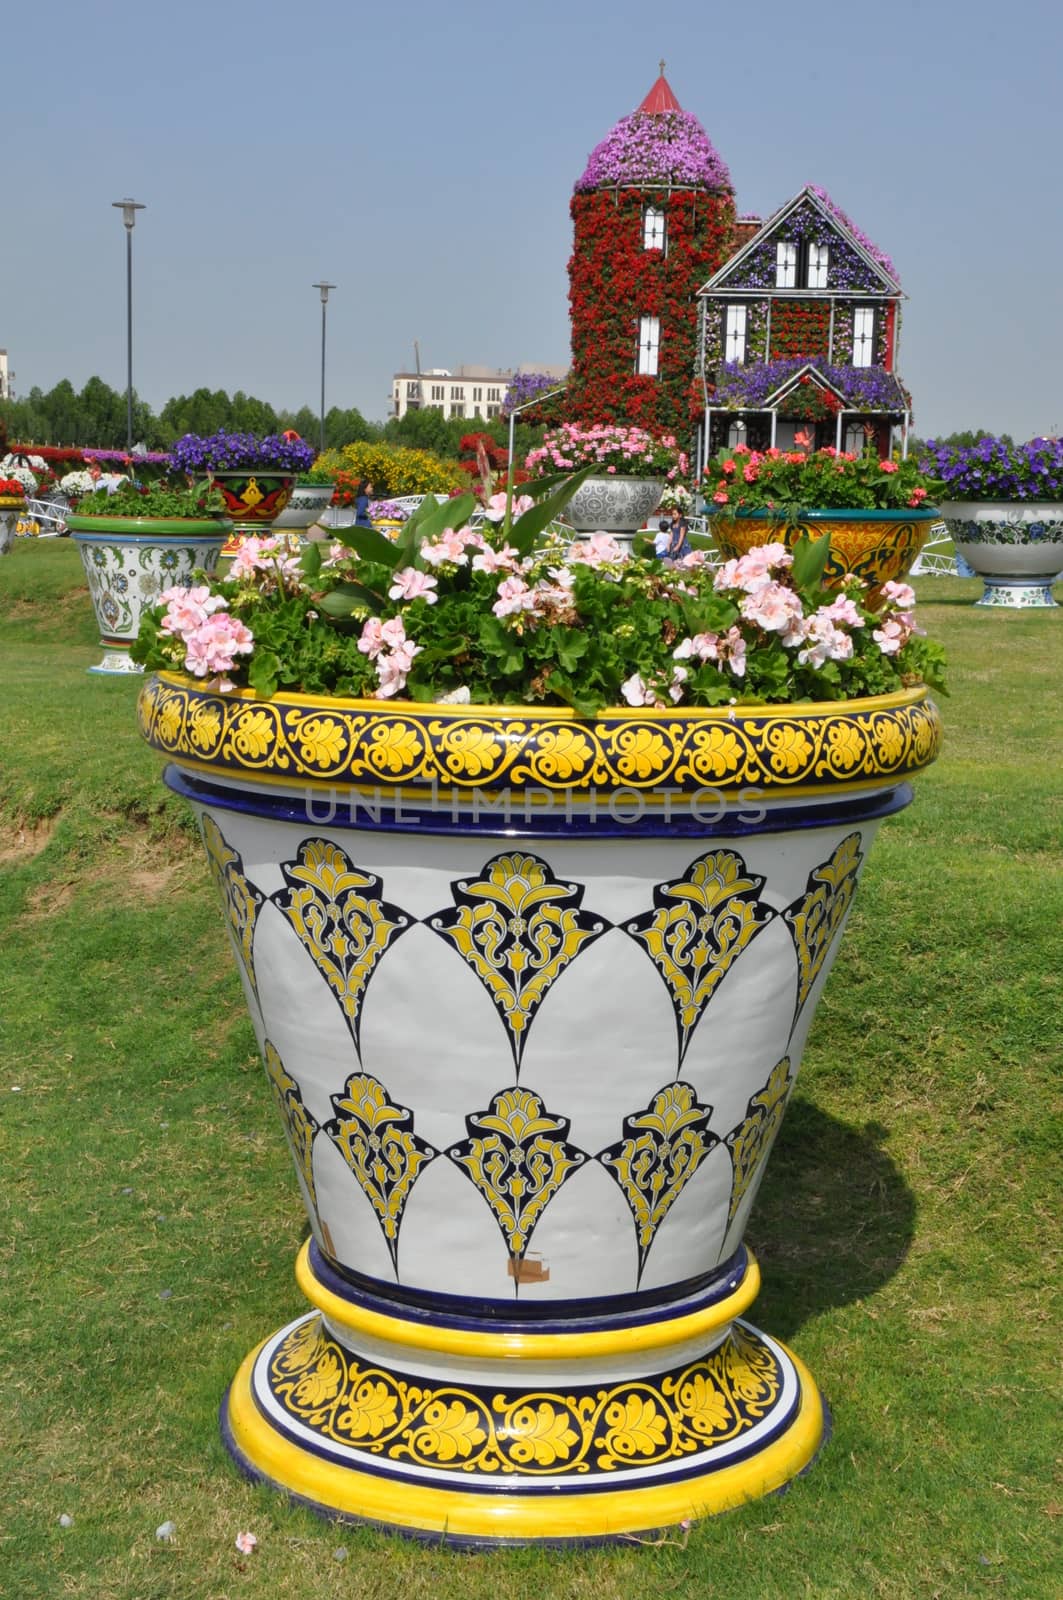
[(855, 441), (649, 346), (864, 336), (653, 222), (785, 265), (734, 343), (818, 257)]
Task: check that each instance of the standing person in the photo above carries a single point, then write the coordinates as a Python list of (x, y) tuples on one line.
[(361, 505), (678, 544)]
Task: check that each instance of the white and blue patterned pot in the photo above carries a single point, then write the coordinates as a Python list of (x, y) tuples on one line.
[(308, 502), (1015, 547), (128, 562), (531, 995), (614, 505), (10, 515)]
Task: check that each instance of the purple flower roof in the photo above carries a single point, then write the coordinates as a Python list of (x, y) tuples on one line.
[(873, 388), (656, 147), (872, 249)]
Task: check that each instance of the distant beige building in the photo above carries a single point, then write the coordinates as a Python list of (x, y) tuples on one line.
[(464, 392), (5, 377)]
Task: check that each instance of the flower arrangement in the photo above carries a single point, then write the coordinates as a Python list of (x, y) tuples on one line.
[(394, 469), (614, 280), (80, 482), (12, 489), (997, 469), (656, 147), (451, 614), (197, 454), (677, 494), (627, 452), (175, 501), (788, 481), (747, 387)]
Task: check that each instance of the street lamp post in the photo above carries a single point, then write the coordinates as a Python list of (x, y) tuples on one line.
[(324, 287), (129, 209)]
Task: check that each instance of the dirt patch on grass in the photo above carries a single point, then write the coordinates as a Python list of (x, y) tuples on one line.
[(23, 841)]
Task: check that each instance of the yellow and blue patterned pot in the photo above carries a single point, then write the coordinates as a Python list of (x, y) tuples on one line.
[(531, 995), (874, 545)]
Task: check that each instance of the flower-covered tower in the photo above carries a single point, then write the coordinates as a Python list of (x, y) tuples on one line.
[(653, 216)]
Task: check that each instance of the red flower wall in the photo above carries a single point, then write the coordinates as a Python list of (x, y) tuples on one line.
[(613, 281)]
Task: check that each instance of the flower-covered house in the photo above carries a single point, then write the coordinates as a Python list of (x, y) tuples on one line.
[(688, 318), (799, 333), (653, 217)]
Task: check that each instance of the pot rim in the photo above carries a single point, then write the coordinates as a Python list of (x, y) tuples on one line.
[(811, 747), (823, 514), (151, 527)]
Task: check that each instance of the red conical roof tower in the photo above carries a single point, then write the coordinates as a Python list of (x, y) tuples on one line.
[(653, 213), (660, 97)]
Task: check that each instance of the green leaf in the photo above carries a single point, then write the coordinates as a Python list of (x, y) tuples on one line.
[(527, 528), (583, 702), (263, 673), (347, 598), (372, 545), (810, 560), (310, 559), (571, 644)]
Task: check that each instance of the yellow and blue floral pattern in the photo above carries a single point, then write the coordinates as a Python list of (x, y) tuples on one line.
[(382, 746), (518, 1157), (661, 1150), (341, 919), (463, 1429), (518, 928), (376, 1139), (702, 923)]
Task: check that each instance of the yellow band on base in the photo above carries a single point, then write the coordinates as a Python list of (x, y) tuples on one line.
[(419, 1508), (353, 1319)]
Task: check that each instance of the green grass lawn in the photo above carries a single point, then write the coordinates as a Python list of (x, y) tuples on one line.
[(906, 1230)]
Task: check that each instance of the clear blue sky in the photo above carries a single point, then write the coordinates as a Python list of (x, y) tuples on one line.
[(422, 156)]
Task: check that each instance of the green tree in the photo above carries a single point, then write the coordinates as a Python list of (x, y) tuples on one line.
[(346, 427), (249, 415)]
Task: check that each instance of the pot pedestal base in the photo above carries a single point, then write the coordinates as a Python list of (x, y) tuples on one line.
[(115, 662), (491, 1436), (1016, 595)]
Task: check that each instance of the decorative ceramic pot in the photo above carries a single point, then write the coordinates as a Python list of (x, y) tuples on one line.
[(1015, 548), (531, 994), (305, 507), (613, 504), (875, 545), (252, 500), (128, 561), (12, 509)]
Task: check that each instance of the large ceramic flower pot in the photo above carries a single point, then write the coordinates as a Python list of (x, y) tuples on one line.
[(1015, 548), (253, 499), (613, 504), (12, 508), (308, 502), (531, 994), (128, 561), (875, 545)]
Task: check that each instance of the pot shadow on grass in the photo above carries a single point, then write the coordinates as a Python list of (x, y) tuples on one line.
[(833, 1221)]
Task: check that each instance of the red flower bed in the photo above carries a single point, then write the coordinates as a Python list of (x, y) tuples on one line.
[(613, 281)]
